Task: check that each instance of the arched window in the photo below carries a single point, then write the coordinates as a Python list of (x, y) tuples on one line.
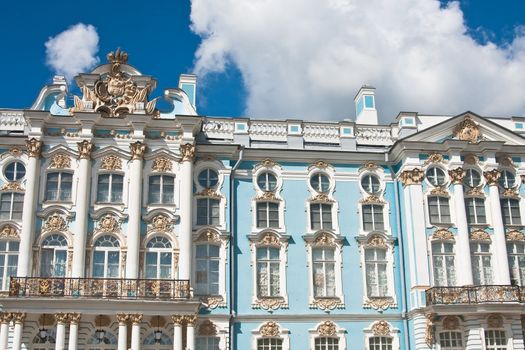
[(11, 204), (53, 257), (451, 340), (158, 258), (8, 262), (161, 189), (110, 187), (376, 272), (444, 264), (159, 341), (106, 257), (102, 341), (207, 270), (58, 186)]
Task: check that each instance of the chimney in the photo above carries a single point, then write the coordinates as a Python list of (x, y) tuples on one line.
[(365, 106), (188, 83)]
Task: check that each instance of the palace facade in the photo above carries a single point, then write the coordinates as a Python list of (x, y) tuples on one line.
[(131, 222)]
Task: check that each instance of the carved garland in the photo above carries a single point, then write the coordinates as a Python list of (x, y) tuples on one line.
[(381, 328), (443, 235), (379, 303), (434, 158), (161, 223), (327, 329), (55, 222), (9, 232), (467, 130), (162, 164), (108, 224), (480, 235), (515, 236), (60, 161), (270, 329), (412, 177), (12, 186), (270, 303), (111, 163)]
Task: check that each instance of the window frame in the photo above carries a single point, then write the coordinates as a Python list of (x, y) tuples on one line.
[(428, 178), (265, 328), (16, 163), (209, 210), (439, 198), (162, 191), (158, 252), (59, 189), (443, 254), (106, 250), (268, 211), (5, 255), (110, 188), (321, 206), (513, 220), (475, 207), (54, 248), (481, 254), (370, 175), (373, 216), (13, 195)]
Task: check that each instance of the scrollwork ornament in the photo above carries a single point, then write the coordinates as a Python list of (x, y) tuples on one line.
[(381, 328), (208, 236), (412, 177), (270, 329), (55, 222), (443, 235), (268, 163), (376, 241), (429, 330), (60, 161), (208, 192), (108, 224), (372, 199), (457, 175), (212, 301), (370, 166), (84, 149), (187, 152), (450, 323), (467, 130), (12, 186), (476, 192), (270, 303), (379, 303), (492, 177), (324, 239), (178, 320), (515, 236), (510, 193), (480, 235), (162, 164), (434, 158), (138, 149), (15, 152), (267, 196), (34, 147), (495, 321), (439, 191), (321, 164), (161, 223), (326, 303), (327, 329), (269, 239), (207, 328), (111, 162)]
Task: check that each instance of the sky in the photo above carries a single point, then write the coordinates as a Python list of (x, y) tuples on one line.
[(298, 59)]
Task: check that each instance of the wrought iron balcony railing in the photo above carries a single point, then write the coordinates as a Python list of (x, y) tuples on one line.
[(109, 288), (475, 295)]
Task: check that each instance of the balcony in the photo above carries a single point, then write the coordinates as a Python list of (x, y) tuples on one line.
[(105, 288), (475, 295)]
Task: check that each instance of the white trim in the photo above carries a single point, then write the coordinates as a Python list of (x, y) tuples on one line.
[(394, 334), (339, 334), (283, 334)]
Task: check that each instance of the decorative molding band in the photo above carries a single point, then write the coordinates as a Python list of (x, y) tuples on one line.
[(327, 304), (270, 303)]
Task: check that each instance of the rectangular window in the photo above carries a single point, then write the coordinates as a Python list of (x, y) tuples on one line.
[(373, 217), (495, 340), (475, 208), (326, 343), (323, 272), (510, 211), (451, 341), (8, 262), (109, 189), (516, 254), (58, 186), (439, 210), (380, 343), (443, 264), (207, 269), (481, 263), (268, 263), (11, 205), (267, 214), (269, 344), (208, 211), (161, 189), (207, 343), (376, 272), (320, 216)]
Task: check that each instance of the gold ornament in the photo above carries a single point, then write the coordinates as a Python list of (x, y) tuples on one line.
[(412, 177), (15, 151), (12, 186), (327, 329), (56, 223), (372, 199), (515, 236), (9, 232), (111, 163), (439, 191), (269, 239), (208, 236), (208, 192), (434, 158), (467, 130), (480, 235), (84, 149), (471, 159), (267, 196), (510, 193), (108, 224), (495, 321), (137, 150), (60, 161), (457, 175), (34, 147), (61, 318), (270, 329), (5, 317), (207, 328), (379, 303), (370, 166), (122, 318), (18, 317), (269, 303), (187, 152), (429, 330), (178, 320), (324, 239), (476, 192), (268, 163), (381, 328), (443, 235), (492, 177), (320, 164), (212, 301), (376, 241), (190, 320), (450, 323), (162, 164), (161, 223), (135, 318), (74, 317)]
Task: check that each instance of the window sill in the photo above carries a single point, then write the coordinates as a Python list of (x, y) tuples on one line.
[(270, 303)]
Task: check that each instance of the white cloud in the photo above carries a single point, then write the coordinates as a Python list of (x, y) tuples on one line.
[(73, 51), (308, 58)]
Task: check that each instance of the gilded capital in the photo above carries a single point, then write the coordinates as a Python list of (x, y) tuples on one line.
[(412, 177), (135, 318), (187, 152), (190, 320), (61, 317), (74, 317), (178, 320), (122, 318), (34, 147), (457, 175), (492, 176), (5, 317), (137, 150), (19, 317), (84, 149)]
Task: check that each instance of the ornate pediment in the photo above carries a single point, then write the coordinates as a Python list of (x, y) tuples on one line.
[(116, 93), (467, 130)]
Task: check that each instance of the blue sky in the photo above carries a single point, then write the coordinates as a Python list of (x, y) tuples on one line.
[(160, 43)]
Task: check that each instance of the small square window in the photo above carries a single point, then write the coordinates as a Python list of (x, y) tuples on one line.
[(369, 101)]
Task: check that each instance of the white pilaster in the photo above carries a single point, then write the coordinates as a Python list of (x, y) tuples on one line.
[(463, 263), (186, 210), (74, 319), (82, 208), (177, 332), (122, 331), (34, 148), (19, 319), (135, 331), (500, 258), (190, 332), (134, 209), (5, 318), (60, 338)]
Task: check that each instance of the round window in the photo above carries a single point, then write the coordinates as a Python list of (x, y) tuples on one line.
[(507, 179), (370, 184), (436, 176), (472, 178), (320, 182), (208, 178), (267, 181), (14, 171)]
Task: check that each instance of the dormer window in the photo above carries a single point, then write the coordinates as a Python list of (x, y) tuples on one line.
[(436, 176), (507, 179), (208, 178)]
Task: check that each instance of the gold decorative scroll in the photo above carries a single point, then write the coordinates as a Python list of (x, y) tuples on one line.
[(9, 232), (12, 186), (162, 164), (434, 158), (324, 239), (467, 130), (381, 328), (268, 163), (34, 147), (412, 177), (187, 152), (492, 176), (208, 236), (480, 235), (269, 239), (84, 149), (111, 163), (161, 223), (515, 236), (55, 222), (376, 241), (60, 161), (269, 303), (270, 329), (327, 303), (443, 234), (108, 224), (327, 329), (457, 175), (429, 330)]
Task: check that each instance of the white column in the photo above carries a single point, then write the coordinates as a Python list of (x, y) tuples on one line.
[(82, 208), (177, 331), (74, 319), (463, 263), (186, 210), (122, 331), (18, 318), (135, 331), (190, 332), (134, 209), (5, 318), (60, 338), (34, 148), (500, 259)]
